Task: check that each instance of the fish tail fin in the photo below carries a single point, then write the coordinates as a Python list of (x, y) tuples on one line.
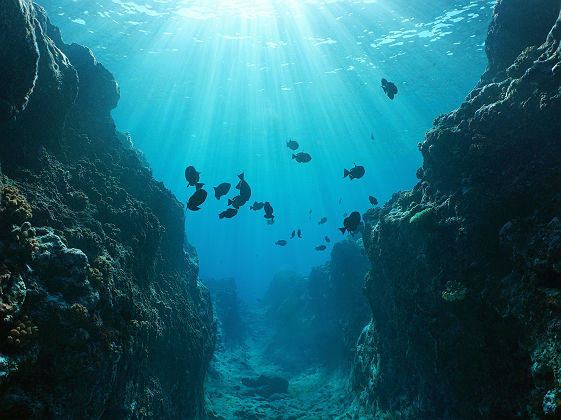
[(230, 202), (195, 208), (221, 216), (342, 230), (293, 156), (240, 176), (198, 186), (346, 173)]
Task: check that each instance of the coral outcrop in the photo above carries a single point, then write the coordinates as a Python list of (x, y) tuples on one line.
[(465, 285), (101, 311)]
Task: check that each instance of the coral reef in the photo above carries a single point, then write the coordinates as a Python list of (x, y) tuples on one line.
[(465, 282), (101, 310)]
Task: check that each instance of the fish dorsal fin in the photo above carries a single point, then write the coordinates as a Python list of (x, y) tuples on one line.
[(241, 176)]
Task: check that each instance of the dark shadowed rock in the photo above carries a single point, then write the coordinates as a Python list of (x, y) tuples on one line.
[(516, 25), (19, 57), (464, 289), (102, 310)]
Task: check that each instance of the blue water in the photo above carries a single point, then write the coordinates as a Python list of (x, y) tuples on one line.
[(222, 85)]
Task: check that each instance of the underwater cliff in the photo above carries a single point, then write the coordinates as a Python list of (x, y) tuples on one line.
[(465, 285), (101, 311)]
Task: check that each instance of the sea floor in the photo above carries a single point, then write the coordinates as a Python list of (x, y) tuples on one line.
[(314, 392)]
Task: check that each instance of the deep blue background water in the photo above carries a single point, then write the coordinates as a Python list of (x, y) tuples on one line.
[(223, 85)]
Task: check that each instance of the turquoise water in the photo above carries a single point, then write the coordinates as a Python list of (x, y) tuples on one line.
[(223, 85)]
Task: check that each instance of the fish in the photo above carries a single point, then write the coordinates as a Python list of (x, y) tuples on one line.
[(355, 173), (281, 242), (340, 198), (299, 233), (191, 175), (293, 233), (228, 214), (327, 239), (301, 157), (371, 136), (268, 209), (322, 221), (236, 202), (221, 190), (321, 248), (292, 145), (245, 190), (198, 198), (372, 200), (257, 205), (350, 224), (390, 88)]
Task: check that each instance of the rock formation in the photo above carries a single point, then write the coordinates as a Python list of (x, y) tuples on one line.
[(465, 285), (101, 310), (319, 318)]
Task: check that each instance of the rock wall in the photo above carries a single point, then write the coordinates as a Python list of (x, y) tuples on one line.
[(101, 311), (465, 286)]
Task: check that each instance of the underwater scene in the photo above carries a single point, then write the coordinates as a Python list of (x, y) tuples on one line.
[(298, 209)]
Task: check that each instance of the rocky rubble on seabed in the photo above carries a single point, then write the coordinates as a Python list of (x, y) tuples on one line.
[(465, 285), (289, 355), (101, 311)]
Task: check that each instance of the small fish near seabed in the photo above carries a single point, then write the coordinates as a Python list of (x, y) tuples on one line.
[(355, 173), (257, 205), (322, 221), (390, 88), (299, 233), (301, 157), (292, 145), (327, 239), (321, 248), (372, 200), (221, 190), (371, 136), (197, 198), (228, 214), (350, 224), (293, 234), (191, 175), (281, 242)]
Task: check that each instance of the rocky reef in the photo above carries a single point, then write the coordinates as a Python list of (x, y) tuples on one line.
[(102, 314), (465, 285), (317, 319)]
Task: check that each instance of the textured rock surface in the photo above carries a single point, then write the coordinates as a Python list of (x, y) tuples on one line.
[(101, 311), (465, 286)]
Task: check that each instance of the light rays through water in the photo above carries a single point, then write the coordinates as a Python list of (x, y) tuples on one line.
[(223, 85)]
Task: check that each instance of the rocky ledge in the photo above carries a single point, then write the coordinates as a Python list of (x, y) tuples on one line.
[(465, 286), (102, 314)]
